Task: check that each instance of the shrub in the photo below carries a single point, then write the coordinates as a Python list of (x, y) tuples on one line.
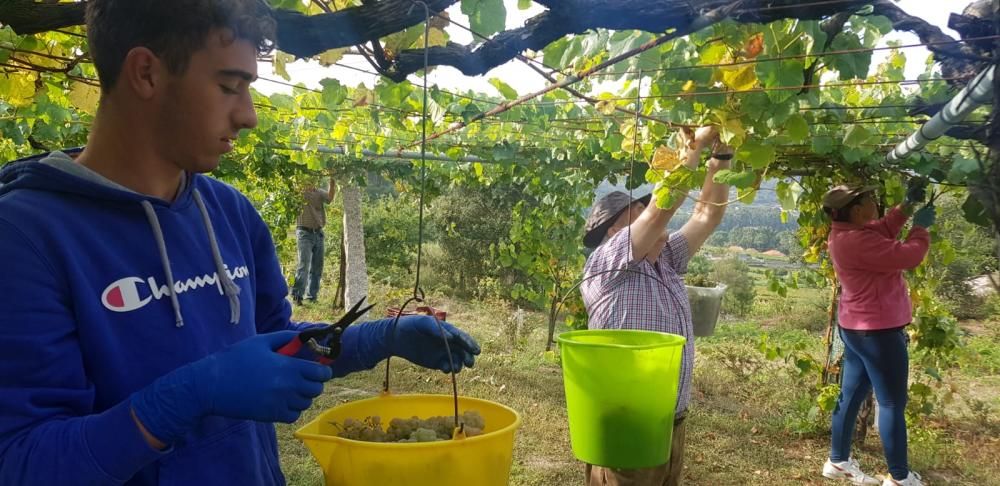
[(741, 292)]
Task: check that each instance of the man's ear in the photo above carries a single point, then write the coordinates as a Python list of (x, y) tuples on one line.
[(142, 72)]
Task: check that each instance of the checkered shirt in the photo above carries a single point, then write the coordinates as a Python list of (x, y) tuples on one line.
[(625, 300)]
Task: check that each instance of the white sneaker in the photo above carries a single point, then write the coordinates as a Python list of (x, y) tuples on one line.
[(913, 479), (848, 470)]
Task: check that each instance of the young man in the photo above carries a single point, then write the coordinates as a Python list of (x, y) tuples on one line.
[(632, 234), (309, 240), (141, 303)]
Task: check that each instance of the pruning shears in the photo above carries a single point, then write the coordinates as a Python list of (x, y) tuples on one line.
[(932, 198), (312, 338)]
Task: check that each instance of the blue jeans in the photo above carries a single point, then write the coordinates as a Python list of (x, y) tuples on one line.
[(878, 360), (310, 263)]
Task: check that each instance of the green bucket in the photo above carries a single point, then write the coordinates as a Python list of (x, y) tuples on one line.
[(621, 390)]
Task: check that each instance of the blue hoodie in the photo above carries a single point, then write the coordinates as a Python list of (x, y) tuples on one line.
[(87, 318)]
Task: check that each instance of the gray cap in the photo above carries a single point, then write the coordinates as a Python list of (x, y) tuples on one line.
[(840, 196), (604, 213)]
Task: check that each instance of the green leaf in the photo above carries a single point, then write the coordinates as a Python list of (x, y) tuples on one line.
[(333, 94), (975, 212), (747, 195), (924, 165), (487, 17), (504, 151), (665, 196), (797, 128), (553, 53), (853, 65), (855, 136), (523, 4), (504, 89), (822, 144), (787, 73), (788, 196), (736, 179), (756, 154), (471, 111), (283, 101), (962, 169)]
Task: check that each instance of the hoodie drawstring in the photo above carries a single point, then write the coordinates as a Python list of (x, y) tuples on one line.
[(154, 222), (230, 288)]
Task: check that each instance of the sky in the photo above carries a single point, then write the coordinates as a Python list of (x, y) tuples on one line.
[(524, 80)]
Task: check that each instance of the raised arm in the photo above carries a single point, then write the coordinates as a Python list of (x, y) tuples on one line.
[(332, 191), (711, 206), (649, 229)]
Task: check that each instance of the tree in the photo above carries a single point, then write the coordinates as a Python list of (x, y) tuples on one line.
[(354, 246), (468, 221), (740, 292)]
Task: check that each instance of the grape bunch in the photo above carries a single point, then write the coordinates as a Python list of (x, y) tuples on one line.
[(413, 429)]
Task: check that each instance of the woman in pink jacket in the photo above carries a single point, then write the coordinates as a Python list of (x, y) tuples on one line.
[(875, 308)]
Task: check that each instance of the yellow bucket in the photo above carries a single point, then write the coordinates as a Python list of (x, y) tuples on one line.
[(481, 460)]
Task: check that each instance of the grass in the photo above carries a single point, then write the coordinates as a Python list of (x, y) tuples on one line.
[(742, 420)]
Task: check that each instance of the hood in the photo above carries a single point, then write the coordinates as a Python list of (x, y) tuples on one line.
[(59, 172)]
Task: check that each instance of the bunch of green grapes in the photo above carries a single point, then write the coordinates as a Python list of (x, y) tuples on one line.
[(413, 429), (368, 430)]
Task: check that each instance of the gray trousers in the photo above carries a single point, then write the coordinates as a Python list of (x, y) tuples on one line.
[(310, 263)]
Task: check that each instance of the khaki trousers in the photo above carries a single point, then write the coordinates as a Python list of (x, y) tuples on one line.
[(668, 474)]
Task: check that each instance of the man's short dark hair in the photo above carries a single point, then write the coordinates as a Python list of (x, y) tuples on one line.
[(172, 29)]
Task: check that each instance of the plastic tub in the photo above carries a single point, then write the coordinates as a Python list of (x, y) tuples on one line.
[(706, 302), (482, 460), (621, 390)]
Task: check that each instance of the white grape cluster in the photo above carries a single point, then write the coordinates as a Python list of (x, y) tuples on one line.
[(413, 429)]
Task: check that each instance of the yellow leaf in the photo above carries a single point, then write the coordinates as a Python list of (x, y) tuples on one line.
[(363, 96), (628, 136), (731, 130), (437, 38), (739, 78), (18, 88), (665, 158), (84, 97), (281, 61), (606, 107), (689, 86), (328, 58)]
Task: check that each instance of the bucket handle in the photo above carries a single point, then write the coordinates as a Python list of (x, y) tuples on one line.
[(418, 298)]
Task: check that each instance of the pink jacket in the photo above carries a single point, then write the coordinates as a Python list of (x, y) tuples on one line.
[(869, 261)]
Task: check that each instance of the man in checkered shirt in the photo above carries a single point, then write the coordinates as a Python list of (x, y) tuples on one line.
[(632, 234)]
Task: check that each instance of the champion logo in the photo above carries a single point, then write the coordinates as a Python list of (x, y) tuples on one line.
[(131, 293)]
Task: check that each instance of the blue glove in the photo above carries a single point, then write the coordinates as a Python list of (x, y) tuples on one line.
[(418, 340), (916, 191), (925, 217), (247, 380)]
